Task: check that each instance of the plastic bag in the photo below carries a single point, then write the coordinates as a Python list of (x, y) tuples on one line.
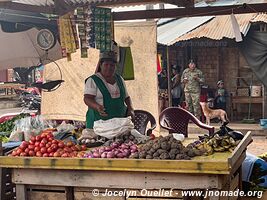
[(141, 139), (27, 127), (87, 134), (113, 127), (65, 128)]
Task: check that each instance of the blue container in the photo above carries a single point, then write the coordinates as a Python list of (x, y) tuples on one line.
[(263, 123)]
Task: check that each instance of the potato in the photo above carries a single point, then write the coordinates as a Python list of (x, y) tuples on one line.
[(165, 146), (160, 151), (156, 154), (164, 156), (174, 151), (156, 146), (142, 155)]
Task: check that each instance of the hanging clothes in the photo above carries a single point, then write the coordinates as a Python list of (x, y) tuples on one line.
[(125, 66), (67, 38)]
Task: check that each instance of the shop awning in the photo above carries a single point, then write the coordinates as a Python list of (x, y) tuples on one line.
[(168, 33)]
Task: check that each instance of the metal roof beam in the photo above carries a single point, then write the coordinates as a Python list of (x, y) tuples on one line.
[(26, 7), (182, 3), (190, 12)]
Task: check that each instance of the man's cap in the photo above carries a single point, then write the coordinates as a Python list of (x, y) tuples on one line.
[(107, 55), (219, 82), (191, 61)]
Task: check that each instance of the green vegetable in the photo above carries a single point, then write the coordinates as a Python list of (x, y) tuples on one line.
[(8, 125)]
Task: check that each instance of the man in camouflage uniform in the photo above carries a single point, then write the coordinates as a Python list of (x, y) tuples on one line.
[(192, 78)]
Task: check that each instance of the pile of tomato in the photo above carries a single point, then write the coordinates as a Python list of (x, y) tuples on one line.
[(45, 145)]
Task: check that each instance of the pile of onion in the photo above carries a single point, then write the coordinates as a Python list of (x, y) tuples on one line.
[(115, 150)]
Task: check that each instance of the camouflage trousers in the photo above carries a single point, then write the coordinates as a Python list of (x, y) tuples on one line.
[(192, 100)]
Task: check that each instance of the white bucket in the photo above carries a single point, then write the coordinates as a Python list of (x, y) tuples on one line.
[(255, 91)]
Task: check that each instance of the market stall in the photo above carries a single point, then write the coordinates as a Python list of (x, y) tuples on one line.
[(80, 178)]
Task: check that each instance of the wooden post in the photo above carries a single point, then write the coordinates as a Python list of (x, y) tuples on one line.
[(264, 102), (21, 192), (169, 78)]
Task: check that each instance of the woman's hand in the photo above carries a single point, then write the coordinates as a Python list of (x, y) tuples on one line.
[(101, 110), (130, 112)]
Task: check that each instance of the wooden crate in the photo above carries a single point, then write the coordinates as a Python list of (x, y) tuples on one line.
[(86, 194), (46, 193)]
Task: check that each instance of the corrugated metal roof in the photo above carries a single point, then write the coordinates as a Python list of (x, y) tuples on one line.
[(168, 33), (219, 27), (262, 17), (35, 2)]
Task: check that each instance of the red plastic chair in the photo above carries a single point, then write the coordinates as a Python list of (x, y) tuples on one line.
[(141, 120), (176, 119)]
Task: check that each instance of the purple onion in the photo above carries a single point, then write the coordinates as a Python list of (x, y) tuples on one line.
[(119, 155), (108, 148), (110, 154), (133, 150), (114, 145), (104, 155), (124, 146), (96, 155)]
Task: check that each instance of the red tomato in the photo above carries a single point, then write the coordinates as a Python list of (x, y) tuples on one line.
[(49, 150), (19, 151), (43, 150), (23, 154), (45, 155), (67, 149), (56, 154), (44, 135), (74, 148), (31, 142), (41, 145), (61, 144), (38, 138), (32, 139), (54, 141), (31, 146), (27, 150), (14, 153), (51, 154), (79, 148), (48, 144), (24, 145), (84, 148), (65, 155), (50, 135), (44, 140), (50, 139), (39, 154), (54, 147), (31, 153), (36, 149), (37, 144)]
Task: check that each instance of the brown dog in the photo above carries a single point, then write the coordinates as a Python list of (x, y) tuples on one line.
[(216, 113)]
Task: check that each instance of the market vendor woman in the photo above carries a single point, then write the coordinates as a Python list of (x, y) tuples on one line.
[(105, 93)]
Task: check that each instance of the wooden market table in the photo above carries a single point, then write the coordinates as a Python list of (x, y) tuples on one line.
[(244, 100), (76, 178)]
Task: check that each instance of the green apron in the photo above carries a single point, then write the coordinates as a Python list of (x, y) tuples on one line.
[(114, 107)]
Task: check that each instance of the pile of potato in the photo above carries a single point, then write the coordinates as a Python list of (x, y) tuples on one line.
[(165, 148)]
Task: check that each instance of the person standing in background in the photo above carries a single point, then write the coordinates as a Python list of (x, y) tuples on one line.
[(192, 78), (220, 96), (176, 86)]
